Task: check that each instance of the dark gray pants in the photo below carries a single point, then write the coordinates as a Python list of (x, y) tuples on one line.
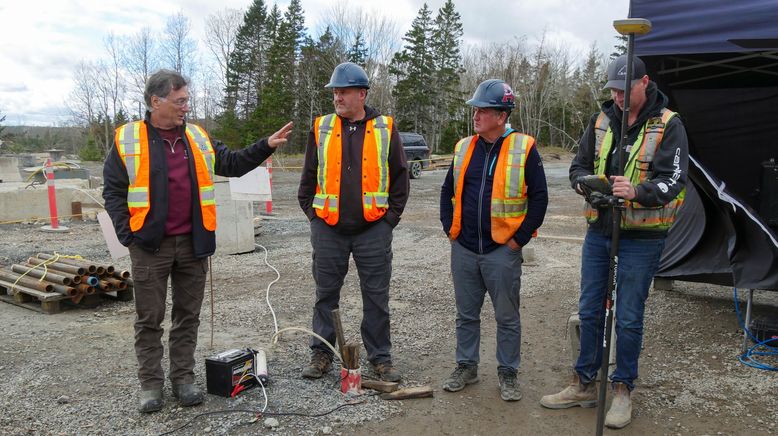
[(150, 272), (499, 274), (372, 251)]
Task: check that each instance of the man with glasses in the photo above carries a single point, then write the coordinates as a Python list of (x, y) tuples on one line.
[(492, 201), (159, 194)]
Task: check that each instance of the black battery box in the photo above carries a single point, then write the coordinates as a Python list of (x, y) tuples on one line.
[(765, 328), (227, 369)]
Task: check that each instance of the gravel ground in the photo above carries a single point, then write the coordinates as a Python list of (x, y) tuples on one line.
[(74, 372)]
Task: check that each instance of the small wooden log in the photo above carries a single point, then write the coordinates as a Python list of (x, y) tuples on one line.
[(380, 385), (408, 393)]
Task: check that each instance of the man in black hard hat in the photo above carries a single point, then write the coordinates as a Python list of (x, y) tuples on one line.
[(492, 202), (353, 188), (652, 187)]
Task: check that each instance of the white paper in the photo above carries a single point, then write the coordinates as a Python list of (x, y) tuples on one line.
[(115, 247), (253, 186)]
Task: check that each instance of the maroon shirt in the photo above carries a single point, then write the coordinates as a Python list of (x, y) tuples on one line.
[(179, 184)]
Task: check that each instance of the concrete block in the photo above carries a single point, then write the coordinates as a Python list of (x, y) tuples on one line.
[(30, 204), (9, 169), (663, 284), (234, 221), (574, 335)]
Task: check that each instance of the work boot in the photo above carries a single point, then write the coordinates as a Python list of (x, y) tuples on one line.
[(620, 413), (509, 385), (462, 376), (188, 394), (386, 372), (321, 362), (151, 400), (577, 394)]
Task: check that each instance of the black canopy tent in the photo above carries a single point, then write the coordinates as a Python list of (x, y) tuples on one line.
[(717, 60)]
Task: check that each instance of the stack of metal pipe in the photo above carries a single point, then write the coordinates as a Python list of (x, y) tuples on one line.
[(47, 275)]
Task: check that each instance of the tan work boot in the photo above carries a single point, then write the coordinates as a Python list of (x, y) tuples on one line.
[(386, 371), (620, 413), (577, 394), (321, 362)]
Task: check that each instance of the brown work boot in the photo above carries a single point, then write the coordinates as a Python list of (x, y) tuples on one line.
[(321, 362), (620, 413), (386, 372), (576, 394)]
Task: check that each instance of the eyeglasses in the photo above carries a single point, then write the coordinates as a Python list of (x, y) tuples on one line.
[(181, 102)]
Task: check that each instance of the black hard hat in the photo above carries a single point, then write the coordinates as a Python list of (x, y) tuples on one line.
[(348, 75), (493, 93)]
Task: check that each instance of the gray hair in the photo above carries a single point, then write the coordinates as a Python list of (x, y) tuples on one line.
[(161, 83)]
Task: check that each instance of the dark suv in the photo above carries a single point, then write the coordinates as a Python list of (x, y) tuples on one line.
[(416, 152)]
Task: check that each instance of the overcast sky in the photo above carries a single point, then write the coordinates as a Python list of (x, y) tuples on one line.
[(43, 41)]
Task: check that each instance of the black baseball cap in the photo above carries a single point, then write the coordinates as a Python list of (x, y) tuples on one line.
[(617, 71)]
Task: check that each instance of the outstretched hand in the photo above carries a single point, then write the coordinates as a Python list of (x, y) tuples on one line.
[(280, 137)]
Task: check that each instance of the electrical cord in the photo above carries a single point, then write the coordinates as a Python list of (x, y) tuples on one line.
[(267, 291), (274, 340), (259, 414), (749, 357)]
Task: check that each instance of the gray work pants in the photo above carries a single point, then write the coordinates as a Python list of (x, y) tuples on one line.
[(499, 274), (150, 272), (372, 251)]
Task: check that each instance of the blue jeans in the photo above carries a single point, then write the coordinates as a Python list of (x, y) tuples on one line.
[(638, 261)]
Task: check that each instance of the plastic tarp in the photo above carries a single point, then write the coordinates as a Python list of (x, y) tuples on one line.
[(717, 60), (706, 26)]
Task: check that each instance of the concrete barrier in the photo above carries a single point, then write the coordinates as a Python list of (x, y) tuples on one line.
[(9, 169)]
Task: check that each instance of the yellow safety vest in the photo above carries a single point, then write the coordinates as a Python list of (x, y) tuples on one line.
[(636, 216)]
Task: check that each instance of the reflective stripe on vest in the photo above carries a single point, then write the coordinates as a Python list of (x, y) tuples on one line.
[(509, 191), (637, 170), (377, 195), (375, 168), (326, 125), (132, 145)]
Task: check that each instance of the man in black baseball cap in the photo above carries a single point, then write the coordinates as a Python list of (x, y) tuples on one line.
[(652, 187)]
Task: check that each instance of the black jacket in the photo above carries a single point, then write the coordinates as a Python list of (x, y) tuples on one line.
[(667, 171), (476, 233), (351, 217), (227, 163)]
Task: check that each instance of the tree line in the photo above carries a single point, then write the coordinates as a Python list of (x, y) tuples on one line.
[(260, 67)]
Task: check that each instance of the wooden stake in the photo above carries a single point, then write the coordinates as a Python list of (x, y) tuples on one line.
[(339, 332)]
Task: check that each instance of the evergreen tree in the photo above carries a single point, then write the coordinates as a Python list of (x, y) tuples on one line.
[(413, 69), (317, 61), (358, 51), (447, 59), (246, 66), (620, 47), (279, 92)]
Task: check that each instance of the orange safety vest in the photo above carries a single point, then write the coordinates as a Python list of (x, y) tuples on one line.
[(509, 190), (375, 168), (132, 143)]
